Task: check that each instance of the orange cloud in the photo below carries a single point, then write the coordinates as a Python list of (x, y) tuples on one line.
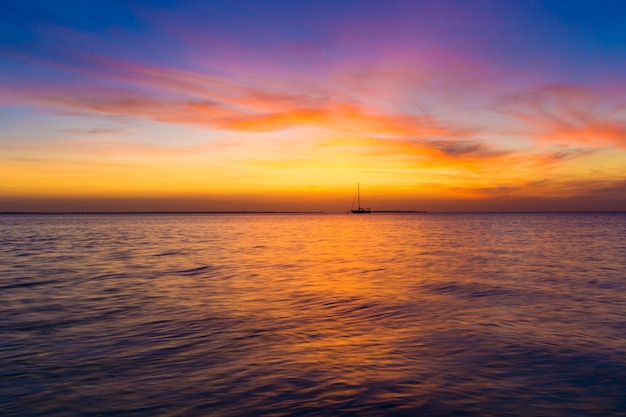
[(595, 133)]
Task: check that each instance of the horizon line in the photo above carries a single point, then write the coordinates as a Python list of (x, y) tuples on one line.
[(302, 212)]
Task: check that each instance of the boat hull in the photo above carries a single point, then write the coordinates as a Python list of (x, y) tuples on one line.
[(362, 211)]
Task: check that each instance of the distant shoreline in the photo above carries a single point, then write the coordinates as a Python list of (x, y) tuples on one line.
[(399, 211)]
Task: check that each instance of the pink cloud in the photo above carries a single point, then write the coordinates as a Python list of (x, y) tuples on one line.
[(571, 114)]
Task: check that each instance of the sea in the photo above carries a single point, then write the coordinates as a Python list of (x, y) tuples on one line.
[(385, 314)]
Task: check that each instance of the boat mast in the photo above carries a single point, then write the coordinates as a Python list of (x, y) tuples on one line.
[(358, 191)]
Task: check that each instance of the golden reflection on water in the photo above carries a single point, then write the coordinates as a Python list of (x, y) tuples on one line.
[(333, 296)]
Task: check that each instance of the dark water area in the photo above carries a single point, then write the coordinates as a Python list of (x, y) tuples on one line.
[(306, 315)]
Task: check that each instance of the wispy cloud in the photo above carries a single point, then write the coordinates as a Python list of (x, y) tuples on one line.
[(562, 154), (94, 131), (571, 114), (176, 96)]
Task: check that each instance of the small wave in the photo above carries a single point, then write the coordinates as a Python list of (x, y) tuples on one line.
[(170, 253), (28, 284), (469, 290), (110, 275), (367, 271), (195, 271)]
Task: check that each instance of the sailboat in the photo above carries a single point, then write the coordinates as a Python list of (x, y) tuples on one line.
[(359, 210)]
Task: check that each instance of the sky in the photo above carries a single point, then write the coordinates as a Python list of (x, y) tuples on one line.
[(442, 105)]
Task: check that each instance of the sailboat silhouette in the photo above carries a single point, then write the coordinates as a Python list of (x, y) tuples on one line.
[(359, 210)]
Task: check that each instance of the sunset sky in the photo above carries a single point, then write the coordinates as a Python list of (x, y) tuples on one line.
[(439, 105)]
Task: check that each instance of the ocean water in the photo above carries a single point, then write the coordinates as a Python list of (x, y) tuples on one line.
[(313, 314)]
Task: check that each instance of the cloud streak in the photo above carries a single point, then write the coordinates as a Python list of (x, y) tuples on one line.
[(572, 114)]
